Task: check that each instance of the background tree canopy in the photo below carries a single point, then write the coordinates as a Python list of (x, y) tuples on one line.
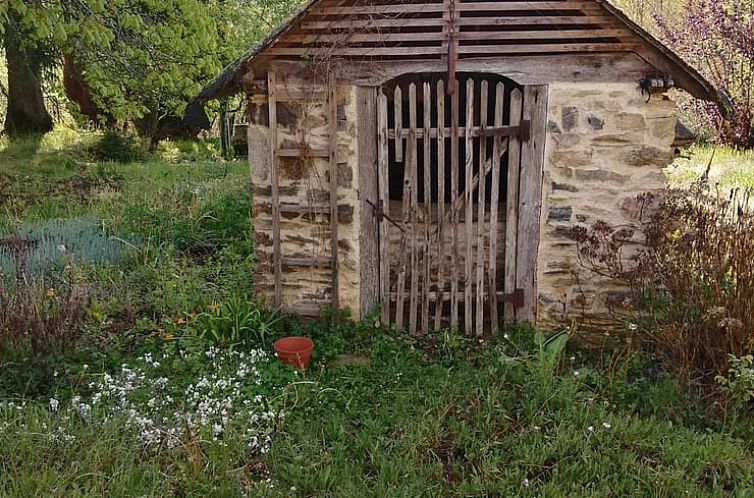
[(141, 61), (122, 60)]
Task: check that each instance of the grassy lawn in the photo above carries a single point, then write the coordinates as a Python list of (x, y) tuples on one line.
[(168, 387), (728, 167)]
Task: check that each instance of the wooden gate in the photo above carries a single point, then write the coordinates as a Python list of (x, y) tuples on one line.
[(453, 199)]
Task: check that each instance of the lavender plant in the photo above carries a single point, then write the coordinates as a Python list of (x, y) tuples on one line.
[(33, 249)]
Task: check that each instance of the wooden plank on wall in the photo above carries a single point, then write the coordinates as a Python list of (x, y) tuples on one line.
[(555, 33), (333, 132), (511, 209), (383, 199), (435, 22), (530, 198), (400, 8), (369, 239), (465, 50), (525, 69), (275, 188)]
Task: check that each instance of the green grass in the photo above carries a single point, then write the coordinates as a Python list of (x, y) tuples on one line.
[(729, 168), (447, 419), (442, 416)]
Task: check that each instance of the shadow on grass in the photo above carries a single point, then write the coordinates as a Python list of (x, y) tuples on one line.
[(19, 148)]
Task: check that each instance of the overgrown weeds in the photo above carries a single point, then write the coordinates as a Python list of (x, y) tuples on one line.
[(117, 147), (36, 315), (196, 218), (693, 282)]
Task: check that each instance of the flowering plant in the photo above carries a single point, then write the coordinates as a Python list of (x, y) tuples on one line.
[(717, 36)]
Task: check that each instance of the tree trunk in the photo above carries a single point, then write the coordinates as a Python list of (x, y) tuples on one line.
[(79, 92), (224, 135), (26, 113)]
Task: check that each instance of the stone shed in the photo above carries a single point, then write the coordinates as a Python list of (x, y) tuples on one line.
[(430, 158)]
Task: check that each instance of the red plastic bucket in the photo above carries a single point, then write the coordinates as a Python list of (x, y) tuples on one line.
[(295, 350)]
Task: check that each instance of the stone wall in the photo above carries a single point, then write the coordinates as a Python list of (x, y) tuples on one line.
[(605, 145), (304, 199)]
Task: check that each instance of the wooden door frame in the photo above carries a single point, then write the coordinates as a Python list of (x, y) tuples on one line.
[(369, 240), (530, 199)]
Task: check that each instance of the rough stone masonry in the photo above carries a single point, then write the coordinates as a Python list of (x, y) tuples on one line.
[(605, 145)]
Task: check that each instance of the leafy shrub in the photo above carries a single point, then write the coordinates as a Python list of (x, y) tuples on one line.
[(235, 321), (739, 383), (693, 281), (118, 148), (41, 317)]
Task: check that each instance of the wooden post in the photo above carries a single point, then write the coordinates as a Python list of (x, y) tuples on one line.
[(333, 118), (511, 224), (369, 232), (383, 203), (530, 204), (275, 188)]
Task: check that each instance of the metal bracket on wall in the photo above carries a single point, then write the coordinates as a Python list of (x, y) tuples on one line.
[(516, 298)]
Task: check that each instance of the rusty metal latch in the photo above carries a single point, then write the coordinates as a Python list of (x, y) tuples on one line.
[(516, 298), (379, 213)]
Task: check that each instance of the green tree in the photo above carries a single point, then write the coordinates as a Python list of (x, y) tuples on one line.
[(141, 58)]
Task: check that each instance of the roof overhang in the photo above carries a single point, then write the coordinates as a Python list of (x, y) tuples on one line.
[(231, 79)]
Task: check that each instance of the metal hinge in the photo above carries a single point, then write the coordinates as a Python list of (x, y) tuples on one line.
[(379, 213)]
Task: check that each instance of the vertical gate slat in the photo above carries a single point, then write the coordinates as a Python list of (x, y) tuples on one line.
[(405, 213), (411, 159), (468, 218), (274, 187), (398, 118), (530, 205), (454, 195), (382, 179), (333, 132), (511, 223), (440, 202), (494, 202), (427, 142), (481, 211)]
